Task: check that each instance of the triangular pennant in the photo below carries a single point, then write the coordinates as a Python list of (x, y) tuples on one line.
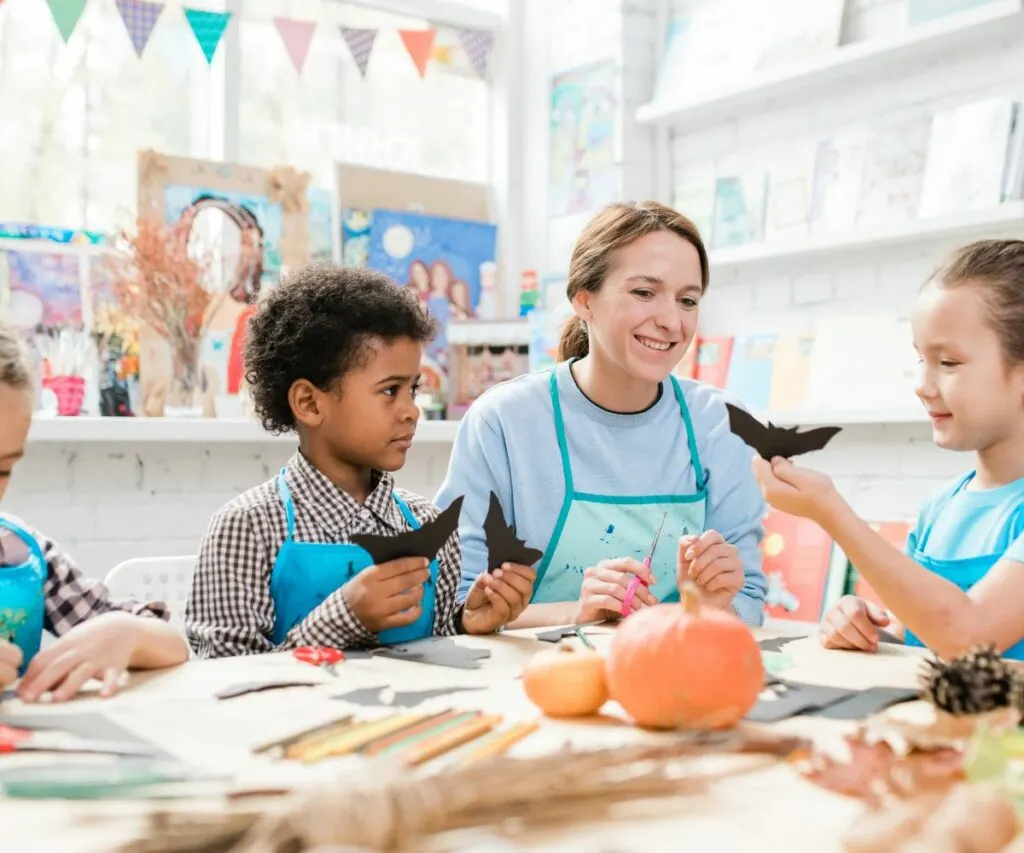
[(208, 28), (65, 15), (477, 44), (418, 43), (139, 18), (360, 45), (296, 36)]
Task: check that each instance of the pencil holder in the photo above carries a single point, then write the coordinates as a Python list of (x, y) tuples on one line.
[(70, 392), (22, 575)]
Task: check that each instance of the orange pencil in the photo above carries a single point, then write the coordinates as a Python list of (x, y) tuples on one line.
[(497, 743), (448, 740), (378, 745)]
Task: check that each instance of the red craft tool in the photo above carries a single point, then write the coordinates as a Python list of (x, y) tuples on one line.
[(636, 580), (320, 656)]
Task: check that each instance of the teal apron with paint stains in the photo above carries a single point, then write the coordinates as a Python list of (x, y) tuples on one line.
[(305, 573), (23, 573), (592, 527)]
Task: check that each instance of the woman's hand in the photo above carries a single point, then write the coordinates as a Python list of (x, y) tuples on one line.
[(711, 563), (497, 598), (604, 589), (795, 490)]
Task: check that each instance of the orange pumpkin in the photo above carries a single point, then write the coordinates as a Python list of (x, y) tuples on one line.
[(684, 665), (566, 681)]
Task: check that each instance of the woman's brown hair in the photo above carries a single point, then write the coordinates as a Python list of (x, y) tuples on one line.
[(613, 227), (997, 266), (15, 368)]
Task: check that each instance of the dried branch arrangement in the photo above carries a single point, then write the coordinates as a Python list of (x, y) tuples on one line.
[(390, 809)]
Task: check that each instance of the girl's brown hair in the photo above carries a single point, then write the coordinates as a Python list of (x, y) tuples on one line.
[(15, 367), (615, 226), (997, 266)]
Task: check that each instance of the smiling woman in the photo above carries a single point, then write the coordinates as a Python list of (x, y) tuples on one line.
[(590, 459)]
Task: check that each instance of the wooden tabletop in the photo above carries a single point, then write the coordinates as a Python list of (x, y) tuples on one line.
[(765, 810)]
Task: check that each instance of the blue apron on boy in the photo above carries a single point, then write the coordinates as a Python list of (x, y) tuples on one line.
[(965, 572), (305, 573), (23, 573), (593, 527)]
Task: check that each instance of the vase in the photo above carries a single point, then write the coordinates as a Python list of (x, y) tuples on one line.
[(184, 391)]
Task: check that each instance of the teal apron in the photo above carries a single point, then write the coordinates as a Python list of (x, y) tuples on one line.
[(592, 528), (305, 573), (23, 572), (964, 572)]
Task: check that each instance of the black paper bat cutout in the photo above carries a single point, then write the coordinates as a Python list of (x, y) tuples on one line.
[(503, 546), (424, 542), (771, 441)]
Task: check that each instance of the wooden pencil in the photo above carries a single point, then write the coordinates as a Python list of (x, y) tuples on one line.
[(441, 726), (321, 729), (497, 742), (351, 739), (445, 741), (378, 745)]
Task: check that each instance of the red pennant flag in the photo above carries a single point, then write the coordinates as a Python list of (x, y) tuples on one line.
[(419, 44)]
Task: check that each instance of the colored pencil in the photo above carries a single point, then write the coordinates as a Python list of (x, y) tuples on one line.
[(321, 729), (429, 732), (349, 740), (448, 740), (378, 745), (495, 743)]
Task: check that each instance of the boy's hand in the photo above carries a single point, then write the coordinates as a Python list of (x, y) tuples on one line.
[(388, 595), (853, 623), (497, 598), (100, 647), (10, 660), (712, 564)]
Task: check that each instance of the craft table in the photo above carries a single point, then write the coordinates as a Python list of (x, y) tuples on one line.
[(769, 809)]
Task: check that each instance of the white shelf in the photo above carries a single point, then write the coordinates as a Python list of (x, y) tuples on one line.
[(845, 418), (195, 430), (486, 332), (1005, 220), (877, 57)]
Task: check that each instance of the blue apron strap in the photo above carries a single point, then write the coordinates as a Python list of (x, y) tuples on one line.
[(563, 447), (691, 439), (29, 540), (404, 509), (289, 505)]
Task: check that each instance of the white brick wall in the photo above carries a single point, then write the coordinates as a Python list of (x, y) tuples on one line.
[(106, 503)]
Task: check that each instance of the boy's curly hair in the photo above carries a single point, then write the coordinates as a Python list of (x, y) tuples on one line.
[(319, 323)]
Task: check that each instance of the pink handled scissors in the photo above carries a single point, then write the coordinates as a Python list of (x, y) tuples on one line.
[(636, 580)]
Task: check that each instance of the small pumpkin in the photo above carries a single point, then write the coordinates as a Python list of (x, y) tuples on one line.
[(566, 681), (685, 665)]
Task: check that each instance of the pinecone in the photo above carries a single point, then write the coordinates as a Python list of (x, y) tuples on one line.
[(973, 683)]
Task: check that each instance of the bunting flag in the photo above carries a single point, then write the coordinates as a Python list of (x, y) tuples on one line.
[(208, 28), (477, 44), (296, 36), (139, 18), (65, 15), (419, 44), (360, 45)]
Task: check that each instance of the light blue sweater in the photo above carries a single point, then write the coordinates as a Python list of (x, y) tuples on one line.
[(506, 443)]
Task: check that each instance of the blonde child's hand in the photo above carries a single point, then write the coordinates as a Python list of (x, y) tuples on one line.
[(712, 564), (101, 648), (853, 623), (10, 660), (388, 595), (794, 490), (497, 598)]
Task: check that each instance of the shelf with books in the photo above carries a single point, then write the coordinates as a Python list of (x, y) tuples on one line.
[(1006, 219), (194, 430), (877, 58)]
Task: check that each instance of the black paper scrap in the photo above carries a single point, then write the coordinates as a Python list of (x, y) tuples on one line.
[(775, 644), (792, 698), (261, 687), (424, 542), (382, 697), (771, 441), (439, 651), (503, 546), (864, 703)]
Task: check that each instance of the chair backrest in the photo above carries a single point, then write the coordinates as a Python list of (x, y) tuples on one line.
[(166, 579)]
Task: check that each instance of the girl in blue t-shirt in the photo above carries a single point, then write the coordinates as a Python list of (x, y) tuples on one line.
[(959, 583)]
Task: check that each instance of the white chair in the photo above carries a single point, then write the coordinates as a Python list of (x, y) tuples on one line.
[(166, 579)]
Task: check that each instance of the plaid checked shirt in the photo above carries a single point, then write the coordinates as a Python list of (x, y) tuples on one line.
[(230, 610), (70, 597)]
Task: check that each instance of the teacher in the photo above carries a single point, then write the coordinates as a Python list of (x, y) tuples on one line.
[(591, 458)]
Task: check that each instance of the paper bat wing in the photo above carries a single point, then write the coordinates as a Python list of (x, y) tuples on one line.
[(424, 542), (770, 441), (503, 546), (796, 443), (750, 430)]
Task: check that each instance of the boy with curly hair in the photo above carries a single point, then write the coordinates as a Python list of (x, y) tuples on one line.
[(334, 355)]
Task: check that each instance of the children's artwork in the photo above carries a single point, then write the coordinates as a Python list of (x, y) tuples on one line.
[(582, 173), (355, 237), (424, 541), (440, 258), (503, 546), (43, 288), (321, 228), (771, 441), (117, 344)]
